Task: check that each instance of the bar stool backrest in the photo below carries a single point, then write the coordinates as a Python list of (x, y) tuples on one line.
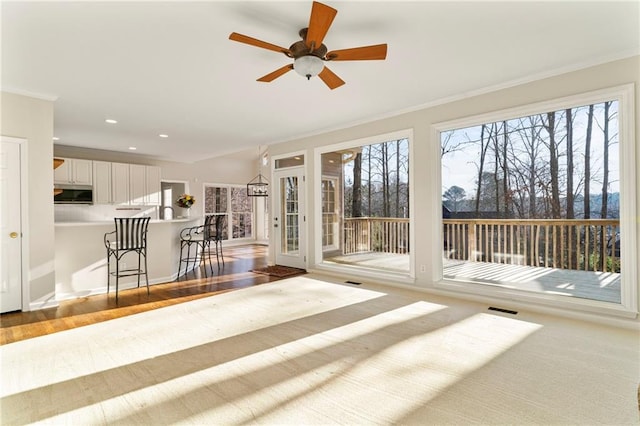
[(131, 232), (208, 228), (220, 222)]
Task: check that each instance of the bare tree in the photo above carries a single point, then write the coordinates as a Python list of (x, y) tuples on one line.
[(587, 164), (605, 174), (550, 125), (483, 153), (570, 196), (356, 207), (398, 178), (506, 192)]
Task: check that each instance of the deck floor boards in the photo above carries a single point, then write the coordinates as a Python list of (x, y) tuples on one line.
[(601, 286)]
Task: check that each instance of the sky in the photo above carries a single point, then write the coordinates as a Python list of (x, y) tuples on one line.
[(460, 168)]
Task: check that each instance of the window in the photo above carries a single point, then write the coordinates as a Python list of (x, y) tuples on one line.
[(533, 203), (364, 197), (329, 214), (241, 213), (232, 202)]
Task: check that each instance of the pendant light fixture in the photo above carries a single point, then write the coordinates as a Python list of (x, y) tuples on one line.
[(258, 186)]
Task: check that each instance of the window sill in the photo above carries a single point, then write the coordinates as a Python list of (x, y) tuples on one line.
[(557, 303)]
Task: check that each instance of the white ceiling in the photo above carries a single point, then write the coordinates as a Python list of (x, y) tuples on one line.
[(168, 67)]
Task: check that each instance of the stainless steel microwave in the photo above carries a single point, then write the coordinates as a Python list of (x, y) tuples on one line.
[(73, 194)]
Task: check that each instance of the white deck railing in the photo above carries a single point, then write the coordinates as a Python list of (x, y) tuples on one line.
[(589, 245)]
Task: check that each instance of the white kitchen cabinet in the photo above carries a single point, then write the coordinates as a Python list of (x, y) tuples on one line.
[(153, 186), (102, 193), (120, 183), (137, 184), (74, 172)]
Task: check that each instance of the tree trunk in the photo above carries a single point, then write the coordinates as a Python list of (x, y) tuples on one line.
[(356, 203), (397, 178), (369, 182), (505, 170), (385, 181), (496, 162), (553, 165), (605, 173), (532, 172), (483, 151), (570, 197), (605, 180), (587, 164)]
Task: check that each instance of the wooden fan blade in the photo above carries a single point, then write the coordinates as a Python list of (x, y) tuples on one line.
[(330, 79), (258, 43), (277, 73), (319, 23), (365, 53)]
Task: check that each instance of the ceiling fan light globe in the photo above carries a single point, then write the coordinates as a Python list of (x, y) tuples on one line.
[(308, 66)]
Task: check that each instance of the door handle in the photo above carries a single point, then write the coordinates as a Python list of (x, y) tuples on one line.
[(13, 235), (275, 225)]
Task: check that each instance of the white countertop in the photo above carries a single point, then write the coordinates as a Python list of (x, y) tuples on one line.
[(111, 223)]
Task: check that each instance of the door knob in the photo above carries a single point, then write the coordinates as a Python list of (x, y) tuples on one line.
[(13, 235)]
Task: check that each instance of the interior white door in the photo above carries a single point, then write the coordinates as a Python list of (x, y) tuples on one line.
[(10, 228), (289, 218)]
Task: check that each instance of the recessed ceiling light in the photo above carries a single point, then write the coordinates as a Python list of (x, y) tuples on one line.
[(296, 158), (162, 135), (132, 148), (55, 138), (110, 121)]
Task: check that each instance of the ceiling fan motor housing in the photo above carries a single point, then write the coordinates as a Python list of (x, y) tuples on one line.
[(299, 48)]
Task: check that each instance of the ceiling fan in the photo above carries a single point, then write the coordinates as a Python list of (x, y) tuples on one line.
[(309, 53)]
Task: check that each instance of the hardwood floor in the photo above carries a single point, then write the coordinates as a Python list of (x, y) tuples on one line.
[(16, 326)]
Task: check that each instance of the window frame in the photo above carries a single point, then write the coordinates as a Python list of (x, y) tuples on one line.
[(336, 231), (399, 277), (629, 285)]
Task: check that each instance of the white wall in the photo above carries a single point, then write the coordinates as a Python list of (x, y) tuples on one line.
[(597, 77), (32, 119)]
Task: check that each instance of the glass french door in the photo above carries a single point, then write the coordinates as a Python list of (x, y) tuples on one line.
[(289, 218)]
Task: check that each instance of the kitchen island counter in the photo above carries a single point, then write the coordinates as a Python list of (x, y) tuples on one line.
[(81, 257)]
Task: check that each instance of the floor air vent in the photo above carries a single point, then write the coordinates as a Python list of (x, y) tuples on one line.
[(352, 282), (506, 311)]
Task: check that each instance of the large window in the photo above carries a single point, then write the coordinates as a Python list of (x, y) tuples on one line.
[(364, 195), (232, 202), (533, 203)]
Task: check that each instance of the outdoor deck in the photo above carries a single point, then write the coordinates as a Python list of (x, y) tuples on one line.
[(602, 286)]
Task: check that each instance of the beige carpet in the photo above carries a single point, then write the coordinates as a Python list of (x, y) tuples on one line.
[(306, 351)]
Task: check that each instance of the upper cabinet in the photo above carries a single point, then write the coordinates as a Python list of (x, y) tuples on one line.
[(113, 183), (120, 183), (74, 171), (128, 184), (137, 184), (102, 193), (153, 185)]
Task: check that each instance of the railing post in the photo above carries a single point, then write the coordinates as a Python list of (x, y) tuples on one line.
[(472, 241)]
